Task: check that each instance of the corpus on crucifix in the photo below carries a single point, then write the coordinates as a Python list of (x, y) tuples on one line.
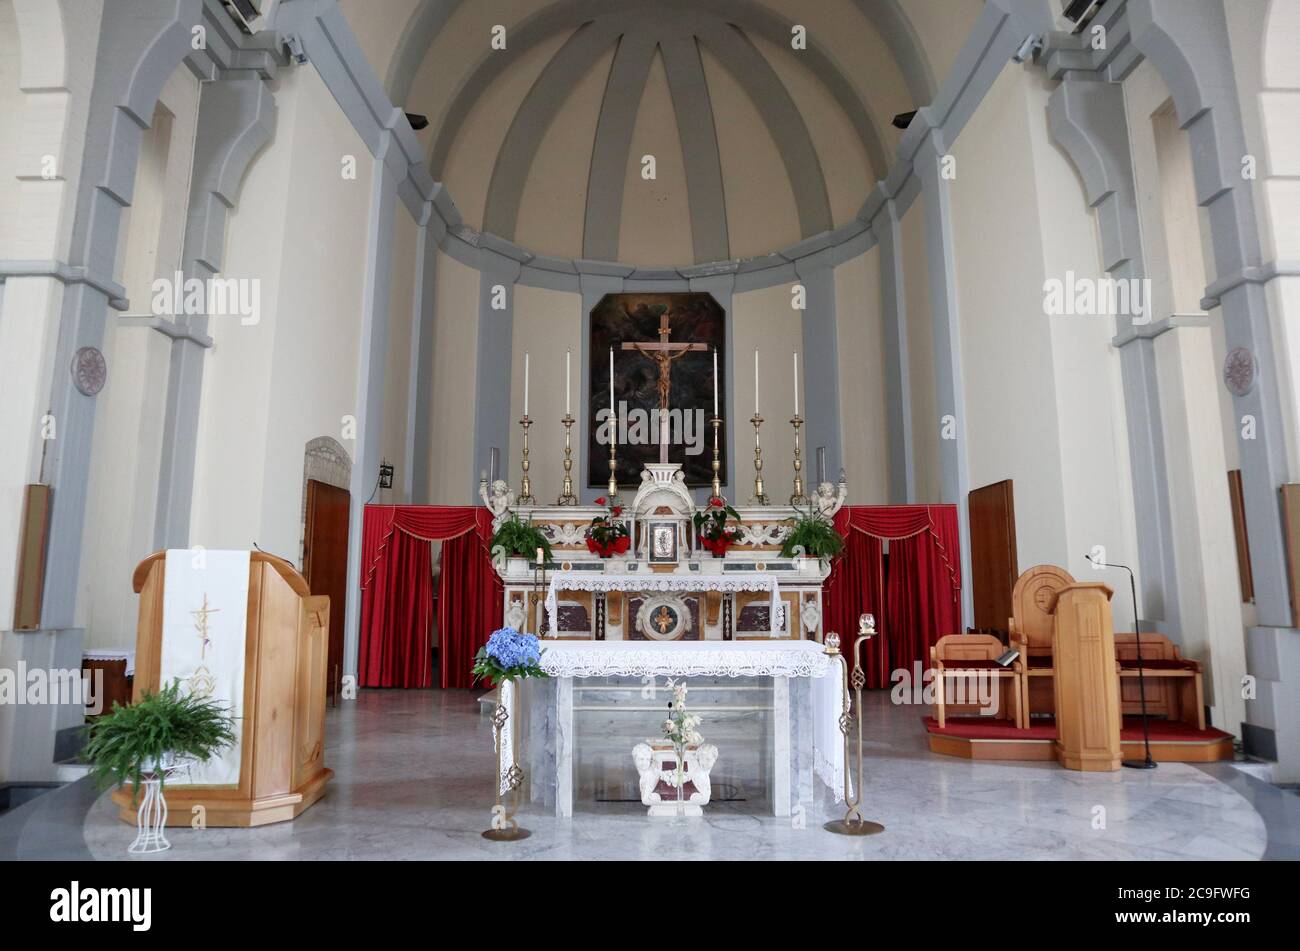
[(664, 353)]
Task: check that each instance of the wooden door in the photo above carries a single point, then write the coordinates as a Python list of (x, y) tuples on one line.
[(993, 553), (325, 564)]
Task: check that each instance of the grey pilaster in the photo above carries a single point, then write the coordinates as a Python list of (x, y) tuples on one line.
[(898, 392), (138, 50), (1088, 120), (492, 422), (236, 119), (372, 358), (1186, 42), (951, 426), (821, 382), (420, 411)]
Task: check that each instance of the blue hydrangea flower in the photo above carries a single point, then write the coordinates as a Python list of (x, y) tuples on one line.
[(509, 648)]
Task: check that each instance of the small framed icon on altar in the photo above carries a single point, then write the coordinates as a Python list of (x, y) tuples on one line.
[(663, 541)]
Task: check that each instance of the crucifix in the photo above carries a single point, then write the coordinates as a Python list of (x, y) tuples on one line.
[(664, 353)]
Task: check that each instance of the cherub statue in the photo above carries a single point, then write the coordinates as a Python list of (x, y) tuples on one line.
[(499, 499), (698, 763), (828, 499), (648, 771)]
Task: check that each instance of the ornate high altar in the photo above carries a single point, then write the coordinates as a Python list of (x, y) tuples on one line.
[(667, 587)]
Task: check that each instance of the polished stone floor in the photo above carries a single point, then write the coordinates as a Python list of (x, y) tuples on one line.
[(413, 782)]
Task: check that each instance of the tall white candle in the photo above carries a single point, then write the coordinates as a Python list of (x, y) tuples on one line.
[(525, 382), (568, 354), (611, 381), (715, 381), (796, 382), (756, 382)]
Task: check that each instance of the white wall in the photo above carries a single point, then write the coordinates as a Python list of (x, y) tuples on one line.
[(864, 425), (547, 323), (764, 320), (455, 358), (299, 227)]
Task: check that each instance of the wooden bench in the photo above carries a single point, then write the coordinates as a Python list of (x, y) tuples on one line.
[(1174, 688), (974, 657)]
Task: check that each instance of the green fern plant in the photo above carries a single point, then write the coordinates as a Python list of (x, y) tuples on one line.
[(813, 535), (520, 539), (128, 742)]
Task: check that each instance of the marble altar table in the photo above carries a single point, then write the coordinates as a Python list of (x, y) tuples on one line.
[(791, 691)]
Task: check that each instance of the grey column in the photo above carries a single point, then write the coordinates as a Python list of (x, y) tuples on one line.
[(372, 356), (138, 50), (236, 118), (1088, 120), (492, 420), (420, 413), (821, 378), (898, 392), (954, 470)]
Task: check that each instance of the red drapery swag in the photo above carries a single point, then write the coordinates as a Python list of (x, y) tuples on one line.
[(397, 593), (917, 604)]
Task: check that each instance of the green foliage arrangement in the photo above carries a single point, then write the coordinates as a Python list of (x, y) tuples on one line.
[(812, 536), (520, 539), (128, 742)]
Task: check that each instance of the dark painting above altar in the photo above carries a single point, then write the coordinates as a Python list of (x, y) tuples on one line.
[(664, 356)]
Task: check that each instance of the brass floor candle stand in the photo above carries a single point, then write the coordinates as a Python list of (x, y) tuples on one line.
[(612, 492), (759, 497), (797, 497), (853, 822), (526, 487), (505, 828), (566, 495), (717, 459)]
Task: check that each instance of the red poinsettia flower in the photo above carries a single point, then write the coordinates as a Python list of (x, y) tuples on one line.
[(601, 500), (616, 510), (717, 502)]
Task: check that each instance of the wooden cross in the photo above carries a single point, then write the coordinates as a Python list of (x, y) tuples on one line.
[(664, 353)]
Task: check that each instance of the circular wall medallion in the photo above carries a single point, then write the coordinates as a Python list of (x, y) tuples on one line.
[(89, 371), (663, 618), (1239, 371)]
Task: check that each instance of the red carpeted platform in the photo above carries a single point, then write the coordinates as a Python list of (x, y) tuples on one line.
[(987, 738)]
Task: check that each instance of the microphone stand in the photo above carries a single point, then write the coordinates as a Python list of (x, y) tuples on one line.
[(1147, 763)]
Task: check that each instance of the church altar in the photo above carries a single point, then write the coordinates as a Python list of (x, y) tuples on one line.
[(787, 695)]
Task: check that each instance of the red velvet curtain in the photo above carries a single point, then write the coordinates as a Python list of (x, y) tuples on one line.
[(918, 601), (397, 593), (396, 617), (469, 607), (856, 585)]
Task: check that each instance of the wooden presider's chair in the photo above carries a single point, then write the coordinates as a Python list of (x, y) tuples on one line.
[(973, 657), (1031, 626), (1173, 683)]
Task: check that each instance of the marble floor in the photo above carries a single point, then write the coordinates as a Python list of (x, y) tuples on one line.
[(412, 781)]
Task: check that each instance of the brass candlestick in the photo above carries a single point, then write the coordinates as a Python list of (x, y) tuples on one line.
[(612, 492), (759, 497), (566, 495), (853, 822), (797, 497), (717, 459), (526, 487)]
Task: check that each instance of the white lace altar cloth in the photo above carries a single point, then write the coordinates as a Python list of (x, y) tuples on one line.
[(719, 659), (650, 582)]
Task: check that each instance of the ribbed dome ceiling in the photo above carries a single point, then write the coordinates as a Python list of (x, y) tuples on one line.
[(756, 144)]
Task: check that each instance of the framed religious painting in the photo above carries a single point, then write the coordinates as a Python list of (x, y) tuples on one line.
[(663, 541), (664, 349)]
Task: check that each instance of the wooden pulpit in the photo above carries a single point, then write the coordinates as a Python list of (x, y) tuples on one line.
[(274, 680), (1086, 679)]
